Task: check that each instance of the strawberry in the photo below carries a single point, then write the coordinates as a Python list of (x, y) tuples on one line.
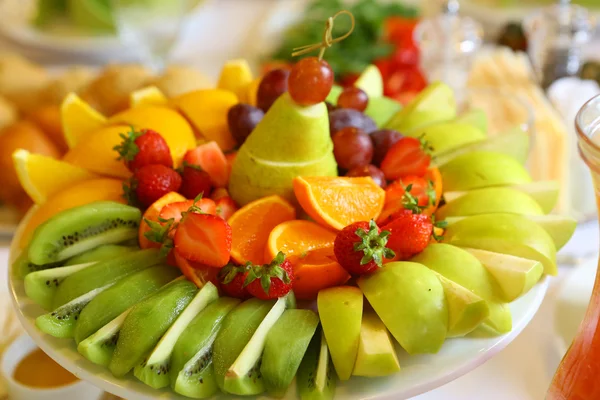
[(420, 194), (176, 210), (194, 181), (204, 238), (409, 156), (219, 193), (226, 207), (270, 281), (231, 278), (150, 183), (146, 147), (195, 272), (361, 247), (411, 232), (211, 159)]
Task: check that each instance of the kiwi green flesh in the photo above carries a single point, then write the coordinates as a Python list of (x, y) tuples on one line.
[(316, 379), (77, 230), (103, 273), (101, 253), (22, 266), (237, 330), (147, 323), (154, 370), (99, 347), (285, 347), (40, 286), (60, 323), (192, 373), (122, 295)]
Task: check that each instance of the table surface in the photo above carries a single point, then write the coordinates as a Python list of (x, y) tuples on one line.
[(524, 369)]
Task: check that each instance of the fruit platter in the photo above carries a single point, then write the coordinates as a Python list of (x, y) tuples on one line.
[(282, 236)]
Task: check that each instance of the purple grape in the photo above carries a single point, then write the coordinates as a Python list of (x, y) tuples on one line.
[(345, 117), (352, 148), (272, 85), (383, 140), (242, 119)]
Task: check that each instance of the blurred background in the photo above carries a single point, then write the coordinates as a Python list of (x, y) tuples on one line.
[(531, 62)]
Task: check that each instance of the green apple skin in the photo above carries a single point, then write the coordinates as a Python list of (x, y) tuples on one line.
[(376, 353), (514, 143), (482, 169), (436, 103), (446, 136), (371, 82), (515, 275), (266, 163), (475, 117), (410, 300), (490, 200), (466, 310), (505, 233), (464, 269), (340, 310), (382, 109), (334, 93)]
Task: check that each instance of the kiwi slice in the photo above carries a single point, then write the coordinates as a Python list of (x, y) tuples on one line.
[(40, 286), (285, 347), (77, 230), (103, 273), (154, 370), (60, 323), (148, 322), (124, 294), (192, 372), (99, 347), (101, 253), (22, 266), (316, 379)]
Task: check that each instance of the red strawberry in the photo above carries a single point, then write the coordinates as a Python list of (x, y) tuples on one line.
[(194, 181), (219, 193), (147, 147), (177, 209), (270, 281), (420, 195), (204, 238), (361, 247), (410, 233), (211, 159), (409, 156), (231, 278), (194, 272), (226, 207), (151, 182)]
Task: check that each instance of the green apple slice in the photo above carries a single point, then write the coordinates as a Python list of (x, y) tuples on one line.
[(376, 354), (464, 269), (446, 136), (490, 200), (466, 310), (410, 300), (514, 275), (340, 311), (334, 93), (482, 169), (382, 109), (371, 82), (513, 143), (475, 117), (505, 233)]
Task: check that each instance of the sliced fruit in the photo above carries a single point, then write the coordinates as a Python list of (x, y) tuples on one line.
[(80, 229), (205, 239), (285, 347), (337, 202), (191, 371), (297, 238), (99, 347), (410, 300), (147, 323), (340, 311), (475, 117), (207, 112), (100, 253), (148, 96), (120, 297), (211, 159), (151, 214), (197, 273), (382, 109), (104, 273), (371, 81), (376, 353), (154, 370), (449, 135), (505, 233), (315, 271), (252, 224), (176, 211), (236, 76), (316, 378), (481, 169), (514, 275), (79, 119)]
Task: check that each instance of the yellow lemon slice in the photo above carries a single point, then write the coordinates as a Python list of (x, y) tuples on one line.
[(78, 119), (148, 96), (235, 77)]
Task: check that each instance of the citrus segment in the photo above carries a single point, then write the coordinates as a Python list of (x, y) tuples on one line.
[(96, 153), (85, 192), (298, 237), (252, 224), (207, 111), (316, 271), (148, 96), (79, 119), (151, 214), (235, 77), (173, 127), (42, 176), (337, 202)]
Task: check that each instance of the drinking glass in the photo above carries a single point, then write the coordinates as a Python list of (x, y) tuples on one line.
[(577, 375)]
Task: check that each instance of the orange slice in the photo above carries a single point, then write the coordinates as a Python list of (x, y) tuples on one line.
[(298, 237), (79, 119), (316, 271), (337, 202), (148, 96), (152, 214), (252, 224)]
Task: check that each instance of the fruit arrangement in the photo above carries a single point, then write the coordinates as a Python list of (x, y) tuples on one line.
[(311, 229)]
